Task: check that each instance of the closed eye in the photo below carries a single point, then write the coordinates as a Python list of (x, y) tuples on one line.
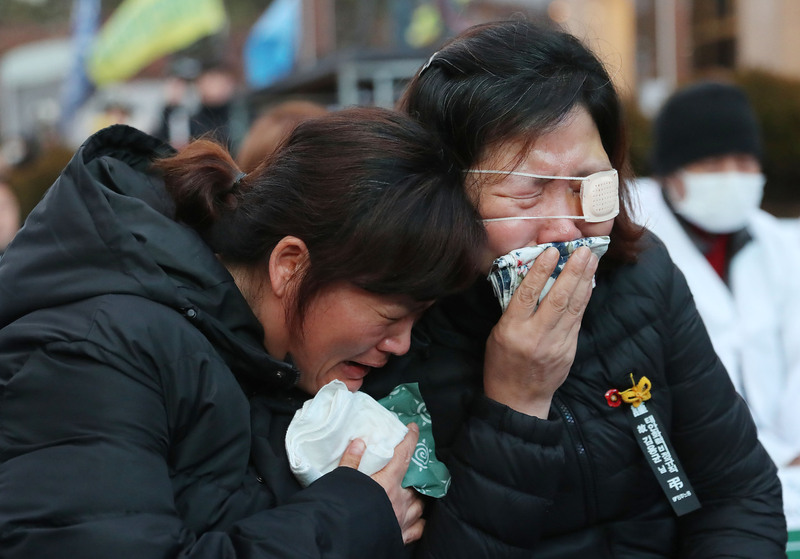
[(415, 312), (521, 194)]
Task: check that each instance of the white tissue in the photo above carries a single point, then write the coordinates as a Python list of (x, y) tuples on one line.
[(321, 430)]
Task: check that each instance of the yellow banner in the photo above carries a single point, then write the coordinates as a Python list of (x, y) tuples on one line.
[(141, 31)]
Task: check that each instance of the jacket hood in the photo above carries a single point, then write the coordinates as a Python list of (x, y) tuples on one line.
[(106, 227)]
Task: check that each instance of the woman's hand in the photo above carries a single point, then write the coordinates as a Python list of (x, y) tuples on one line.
[(530, 351), (407, 503)]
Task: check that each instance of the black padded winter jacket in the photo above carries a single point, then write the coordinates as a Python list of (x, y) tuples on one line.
[(577, 485), (128, 363)]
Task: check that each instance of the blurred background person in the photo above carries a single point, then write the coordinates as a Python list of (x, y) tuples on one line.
[(741, 263), (112, 112), (201, 99), (217, 112), (9, 214), (179, 101), (270, 129)]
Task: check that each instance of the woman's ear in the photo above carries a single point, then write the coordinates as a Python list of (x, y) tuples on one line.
[(287, 259)]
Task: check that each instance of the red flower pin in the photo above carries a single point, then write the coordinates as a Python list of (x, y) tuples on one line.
[(613, 398)]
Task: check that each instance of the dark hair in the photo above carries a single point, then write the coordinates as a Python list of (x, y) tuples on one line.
[(367, 189), (506, 79)]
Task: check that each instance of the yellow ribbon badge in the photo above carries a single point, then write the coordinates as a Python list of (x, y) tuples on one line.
[(640, 392)]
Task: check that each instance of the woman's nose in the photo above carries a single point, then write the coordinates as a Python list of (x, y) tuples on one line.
[(558, 230), (562, 201), (398, 340)]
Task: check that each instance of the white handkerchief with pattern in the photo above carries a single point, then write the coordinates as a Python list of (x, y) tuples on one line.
[(508, 271)]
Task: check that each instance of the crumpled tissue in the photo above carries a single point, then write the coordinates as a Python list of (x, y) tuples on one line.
[(321, 430)]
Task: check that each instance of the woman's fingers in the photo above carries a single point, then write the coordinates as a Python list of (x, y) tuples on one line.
[(414, 532), (567, 298), (563, 304), (353, 453), (407, 503), (399, 462), (529, 352), (526, 297), (398, 465)]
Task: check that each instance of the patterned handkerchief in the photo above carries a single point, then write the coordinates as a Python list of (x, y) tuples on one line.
[(508, 271), (426, 474)]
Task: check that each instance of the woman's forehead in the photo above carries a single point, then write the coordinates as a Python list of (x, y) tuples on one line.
[(576, 132)]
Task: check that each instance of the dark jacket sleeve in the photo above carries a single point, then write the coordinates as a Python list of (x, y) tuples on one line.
[(714, 434), (341, 515), (140, 454)]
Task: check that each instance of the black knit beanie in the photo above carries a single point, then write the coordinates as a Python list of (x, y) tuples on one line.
[(703, 120)]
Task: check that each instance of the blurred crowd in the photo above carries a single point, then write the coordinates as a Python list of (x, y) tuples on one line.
[(200, 98)]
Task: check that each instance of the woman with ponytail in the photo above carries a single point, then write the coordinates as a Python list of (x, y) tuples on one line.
[(153, 297)]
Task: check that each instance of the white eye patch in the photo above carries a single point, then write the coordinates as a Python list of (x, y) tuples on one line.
[(599, 195)]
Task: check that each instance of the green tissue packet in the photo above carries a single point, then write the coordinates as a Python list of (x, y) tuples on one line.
[(426, 474)]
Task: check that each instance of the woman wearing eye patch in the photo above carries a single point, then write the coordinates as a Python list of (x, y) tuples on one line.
[(594, 420)]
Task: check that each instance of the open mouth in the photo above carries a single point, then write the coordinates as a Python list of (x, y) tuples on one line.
[(359, 369)]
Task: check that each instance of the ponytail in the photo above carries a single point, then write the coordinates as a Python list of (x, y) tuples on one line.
[(202, 179)]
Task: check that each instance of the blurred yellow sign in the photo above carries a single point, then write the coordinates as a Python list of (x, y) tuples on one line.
[(141, 31), (426, 26)]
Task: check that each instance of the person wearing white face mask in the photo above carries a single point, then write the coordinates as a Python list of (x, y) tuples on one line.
[(739, 262)]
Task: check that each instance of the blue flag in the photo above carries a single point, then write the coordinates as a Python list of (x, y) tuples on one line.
[(78, 87), (271, 47)]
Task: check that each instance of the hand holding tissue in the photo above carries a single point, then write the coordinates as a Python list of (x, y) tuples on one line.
[(321, 430)]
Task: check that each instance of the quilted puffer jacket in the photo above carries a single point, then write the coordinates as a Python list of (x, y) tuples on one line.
[(128, 364), (578, 485)]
